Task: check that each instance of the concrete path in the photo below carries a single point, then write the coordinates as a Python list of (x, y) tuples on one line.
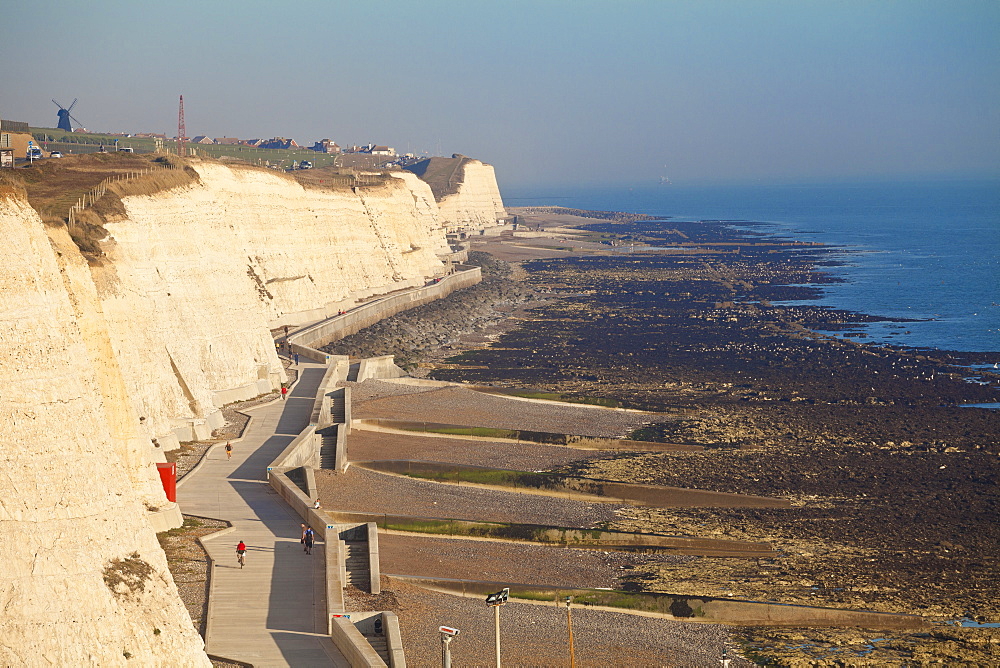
[(272, 612)]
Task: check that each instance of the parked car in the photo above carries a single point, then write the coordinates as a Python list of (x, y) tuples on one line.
[(55, 154), (305, 164)]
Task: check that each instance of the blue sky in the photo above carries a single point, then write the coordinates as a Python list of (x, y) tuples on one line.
[(549, 92)]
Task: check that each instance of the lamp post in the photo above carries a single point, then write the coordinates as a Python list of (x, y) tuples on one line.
[(569, 624), (495, 601)]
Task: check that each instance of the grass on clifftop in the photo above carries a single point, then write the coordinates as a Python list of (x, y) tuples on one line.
[(53, 186), (443, 175)]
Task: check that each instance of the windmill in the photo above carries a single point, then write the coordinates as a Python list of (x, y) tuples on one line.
[(64, 116)]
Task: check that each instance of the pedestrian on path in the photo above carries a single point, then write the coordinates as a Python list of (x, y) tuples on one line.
[(296, 356), (284, 391), (303, 538), (310, 537), (229, 450)]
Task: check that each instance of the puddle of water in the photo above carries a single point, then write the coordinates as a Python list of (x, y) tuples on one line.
[(870, 647), (968, 623)]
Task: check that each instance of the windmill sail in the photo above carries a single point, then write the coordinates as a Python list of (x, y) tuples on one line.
[(64, 116)]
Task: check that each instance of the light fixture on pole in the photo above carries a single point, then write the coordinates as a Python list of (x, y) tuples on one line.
[(496, 600)]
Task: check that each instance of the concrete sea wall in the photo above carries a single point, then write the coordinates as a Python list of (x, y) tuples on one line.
[(306, 341)]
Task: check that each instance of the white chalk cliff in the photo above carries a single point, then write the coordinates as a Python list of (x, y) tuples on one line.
[(84, 581), (465, 189), (198, 274), (108, 364), (476, 202)]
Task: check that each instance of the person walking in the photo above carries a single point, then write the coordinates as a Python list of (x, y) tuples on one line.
[(296, 356), (241, 552), (310, 537), (229, 450), (284, 391)]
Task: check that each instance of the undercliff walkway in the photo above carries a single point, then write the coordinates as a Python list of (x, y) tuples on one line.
[(273, 611)]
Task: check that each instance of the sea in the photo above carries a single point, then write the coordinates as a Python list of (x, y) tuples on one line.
[(926, 251)]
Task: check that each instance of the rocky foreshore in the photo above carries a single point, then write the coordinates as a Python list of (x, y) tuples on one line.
[(894, 486), (425, 331)]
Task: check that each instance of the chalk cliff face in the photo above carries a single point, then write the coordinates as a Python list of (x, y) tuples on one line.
[(465, 189), (197, 275), (105, 366), (477, 201), (84, 581)]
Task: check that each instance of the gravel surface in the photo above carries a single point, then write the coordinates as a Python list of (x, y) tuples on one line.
[(372, 389), (520, 563), (359, 490), (536, 635), (188, 562), (458, 405), (532, 635), (188, 455), (372, 445)]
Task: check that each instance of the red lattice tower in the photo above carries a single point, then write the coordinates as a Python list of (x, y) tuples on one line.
[(181, 131)]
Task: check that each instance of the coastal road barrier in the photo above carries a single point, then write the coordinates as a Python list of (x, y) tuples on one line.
[(466, 432), (302, 451), (678, 607), (335, 373), (569, 487)]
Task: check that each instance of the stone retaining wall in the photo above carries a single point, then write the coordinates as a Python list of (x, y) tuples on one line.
[(684, 608), (307, 342), (354, 646), (304, 453)]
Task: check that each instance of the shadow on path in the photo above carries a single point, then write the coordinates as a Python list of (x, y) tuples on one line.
[(299, 650), (297, 409), (254, 467), (292, 596), (265, 506)]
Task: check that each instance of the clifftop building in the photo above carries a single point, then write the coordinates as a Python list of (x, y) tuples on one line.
[(326, 146)]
